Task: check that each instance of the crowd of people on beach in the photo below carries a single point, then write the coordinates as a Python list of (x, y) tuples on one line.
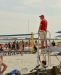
[(14, 45), (22, 45)]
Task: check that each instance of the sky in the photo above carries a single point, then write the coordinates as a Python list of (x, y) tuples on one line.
[(14, 16)]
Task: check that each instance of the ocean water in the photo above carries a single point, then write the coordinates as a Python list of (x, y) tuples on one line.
[(6, 41)]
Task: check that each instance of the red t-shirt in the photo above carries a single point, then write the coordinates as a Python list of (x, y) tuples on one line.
[(43, 25)]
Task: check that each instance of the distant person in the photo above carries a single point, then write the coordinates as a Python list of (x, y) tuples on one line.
[(6, 45), (3, 67), (23, 44), (17, 45), (22, 41), (35, 41), (13, 46), (1, 52), (44, 66), (43, 27), (21, 48), (53, 43), (35, 48), (29, 43), (9, 45)]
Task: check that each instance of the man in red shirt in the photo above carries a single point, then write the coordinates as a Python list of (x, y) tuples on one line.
[(43, 28)]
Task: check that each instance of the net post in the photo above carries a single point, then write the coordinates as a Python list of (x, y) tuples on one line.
[(32, 40)]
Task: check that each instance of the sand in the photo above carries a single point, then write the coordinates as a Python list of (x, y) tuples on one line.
[(26, 61)]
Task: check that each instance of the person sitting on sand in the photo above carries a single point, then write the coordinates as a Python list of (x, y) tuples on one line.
[(44, 66), (2, 70)]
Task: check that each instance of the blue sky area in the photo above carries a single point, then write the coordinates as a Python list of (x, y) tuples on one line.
[(14, 15)]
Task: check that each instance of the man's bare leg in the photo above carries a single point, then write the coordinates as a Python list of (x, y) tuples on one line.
[(42, 43), (4, 67), (43, 48)]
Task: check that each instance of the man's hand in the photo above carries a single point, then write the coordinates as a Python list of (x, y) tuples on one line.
[(38, 31)]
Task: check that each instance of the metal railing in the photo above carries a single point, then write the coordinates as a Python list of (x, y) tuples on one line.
[(38, 45), (45, 39)]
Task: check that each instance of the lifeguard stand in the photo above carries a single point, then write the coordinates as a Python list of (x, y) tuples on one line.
[(47, 54)]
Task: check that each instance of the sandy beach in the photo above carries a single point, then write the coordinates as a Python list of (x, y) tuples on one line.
[(26, 61)]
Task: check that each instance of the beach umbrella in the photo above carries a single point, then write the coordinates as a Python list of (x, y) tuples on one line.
[(59, 31)]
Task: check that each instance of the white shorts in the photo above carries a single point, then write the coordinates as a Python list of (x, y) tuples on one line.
[(43, 35)]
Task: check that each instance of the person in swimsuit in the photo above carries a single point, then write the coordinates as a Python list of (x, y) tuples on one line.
[(2, 64), (1, 53), (21, 48)]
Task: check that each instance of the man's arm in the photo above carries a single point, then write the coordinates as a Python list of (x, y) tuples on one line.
[(39, 28), (4, 67), (40, 25)]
